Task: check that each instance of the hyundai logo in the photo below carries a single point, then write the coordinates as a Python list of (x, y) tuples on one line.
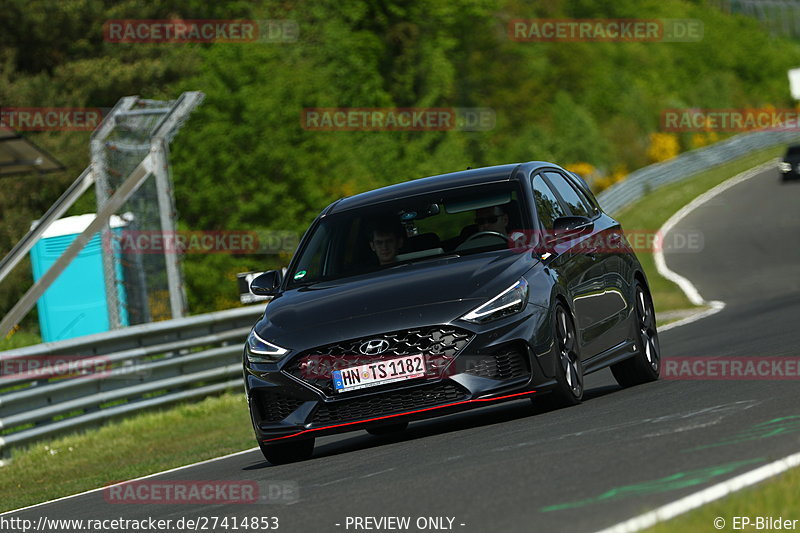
[(374, 346)]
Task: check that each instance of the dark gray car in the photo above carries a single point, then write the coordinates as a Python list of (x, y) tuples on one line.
[(442, 294)]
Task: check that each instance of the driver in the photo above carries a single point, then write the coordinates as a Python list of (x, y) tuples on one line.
[(386, 239), (492, 218)]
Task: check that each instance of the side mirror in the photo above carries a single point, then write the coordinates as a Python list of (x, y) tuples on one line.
[(567, 227), (266, 284)]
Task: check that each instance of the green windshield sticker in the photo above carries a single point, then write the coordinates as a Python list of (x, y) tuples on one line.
[(300, 274)]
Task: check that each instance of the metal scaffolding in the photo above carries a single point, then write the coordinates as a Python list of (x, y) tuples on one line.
[(129, 146)]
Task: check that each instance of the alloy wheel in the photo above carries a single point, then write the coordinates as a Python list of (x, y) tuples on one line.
[(568, 356), (648, 336)]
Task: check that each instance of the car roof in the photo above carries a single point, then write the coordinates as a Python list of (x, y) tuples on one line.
[(452, 180)]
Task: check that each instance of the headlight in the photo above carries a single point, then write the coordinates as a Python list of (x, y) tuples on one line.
[(783, 166), (510, 301), (261, 351)]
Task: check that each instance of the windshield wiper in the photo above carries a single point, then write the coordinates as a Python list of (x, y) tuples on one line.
[(425, 258), (301, 285)]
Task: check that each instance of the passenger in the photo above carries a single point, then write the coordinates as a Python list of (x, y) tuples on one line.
[(492, 218)]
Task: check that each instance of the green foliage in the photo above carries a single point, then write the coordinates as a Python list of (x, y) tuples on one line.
[(245, 162)]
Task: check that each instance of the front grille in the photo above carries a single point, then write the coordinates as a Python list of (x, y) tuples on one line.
[(386, 403), (273, 406), (439, 345), (508, 363)]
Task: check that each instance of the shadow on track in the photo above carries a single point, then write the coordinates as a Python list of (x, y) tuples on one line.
[(481, 417)]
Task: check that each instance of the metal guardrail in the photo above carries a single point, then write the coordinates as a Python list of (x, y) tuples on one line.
[(140, 367), (644, 180)]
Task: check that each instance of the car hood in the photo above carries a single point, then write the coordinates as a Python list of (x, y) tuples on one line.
[(408, 295)]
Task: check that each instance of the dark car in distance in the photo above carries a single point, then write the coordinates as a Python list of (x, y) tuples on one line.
[(441, 294), (789, 167)]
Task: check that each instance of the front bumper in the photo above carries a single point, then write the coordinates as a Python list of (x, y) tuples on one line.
[(790, 170), (267, 434), (473, 368)]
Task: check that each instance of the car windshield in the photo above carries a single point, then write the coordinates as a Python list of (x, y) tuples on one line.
[(448, 223)]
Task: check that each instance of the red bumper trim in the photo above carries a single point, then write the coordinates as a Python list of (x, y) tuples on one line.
[(518, 394)]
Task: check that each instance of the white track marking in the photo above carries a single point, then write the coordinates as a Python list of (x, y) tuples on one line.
[(714, 492), (708, 495), (713, 306), (130, 480)]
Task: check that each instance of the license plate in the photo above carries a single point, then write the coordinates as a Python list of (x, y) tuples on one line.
[(378, 373)]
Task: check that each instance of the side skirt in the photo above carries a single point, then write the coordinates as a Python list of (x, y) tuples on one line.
[(615, 354)]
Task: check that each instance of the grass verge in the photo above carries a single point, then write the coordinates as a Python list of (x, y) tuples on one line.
[(157, 441), (19, 339), (147, 443), (774, 498)]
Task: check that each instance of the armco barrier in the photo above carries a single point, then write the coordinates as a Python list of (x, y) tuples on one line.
[(644, 180), (145, 366)]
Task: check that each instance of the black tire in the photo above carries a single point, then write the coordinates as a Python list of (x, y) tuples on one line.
[(569, 368), (644, 366), (389, 429), (287, 452)]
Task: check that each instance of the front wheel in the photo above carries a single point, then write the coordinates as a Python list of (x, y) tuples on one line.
[(287, 452), (644, 366), (569, 369)]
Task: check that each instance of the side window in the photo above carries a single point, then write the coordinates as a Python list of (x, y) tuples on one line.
[(548, 208), (584, 191), (577, 203)]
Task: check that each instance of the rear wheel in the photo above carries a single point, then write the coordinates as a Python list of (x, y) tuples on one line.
[(644, 365), (388, 429), (569, 369), (287, 452)]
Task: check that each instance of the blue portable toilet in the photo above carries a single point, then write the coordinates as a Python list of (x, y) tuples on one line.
[(75, 304)]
